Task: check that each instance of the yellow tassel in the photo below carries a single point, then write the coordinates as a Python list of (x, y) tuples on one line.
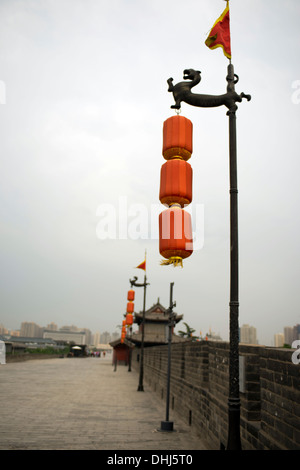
[(175, 260)]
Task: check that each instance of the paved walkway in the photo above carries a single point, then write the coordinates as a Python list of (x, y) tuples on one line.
[(83, 404)]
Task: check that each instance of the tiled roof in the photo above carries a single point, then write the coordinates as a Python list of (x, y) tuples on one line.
[(156, 313)]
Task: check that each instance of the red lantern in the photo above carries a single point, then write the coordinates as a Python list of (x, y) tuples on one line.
[(175, 235), (177, 138), (123, 333), (130, 307), (130, 295), (176, 179), (129, 319)]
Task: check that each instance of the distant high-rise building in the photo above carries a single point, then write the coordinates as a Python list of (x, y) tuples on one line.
[(288, 335), (88, 335), (70, 328), (31, 330), (105, 337), (279, 340), (115, 336), (291, 334), (248, 334), (296, 332), (52, 326), (14, 332), (96, 339), (3, 330)]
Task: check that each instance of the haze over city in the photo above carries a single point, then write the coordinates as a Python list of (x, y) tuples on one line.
[(83, 98)]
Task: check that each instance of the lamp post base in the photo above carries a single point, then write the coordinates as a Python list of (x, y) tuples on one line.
[(166, 426), (140, 388), (234, 439)]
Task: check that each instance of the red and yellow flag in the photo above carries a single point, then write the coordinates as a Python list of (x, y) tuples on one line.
[(219, 35), (142, 266)]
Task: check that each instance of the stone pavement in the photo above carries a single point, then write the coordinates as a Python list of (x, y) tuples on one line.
[(83, 404)]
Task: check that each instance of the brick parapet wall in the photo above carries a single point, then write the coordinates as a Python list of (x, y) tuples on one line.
[(269, 384), (280, 390)]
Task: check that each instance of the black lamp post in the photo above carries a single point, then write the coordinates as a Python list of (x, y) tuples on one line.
[(168, 425), (182, 92), (129, 355), (144, 285)]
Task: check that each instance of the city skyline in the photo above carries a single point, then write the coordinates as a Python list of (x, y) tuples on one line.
[(83, 98), (248, 333)]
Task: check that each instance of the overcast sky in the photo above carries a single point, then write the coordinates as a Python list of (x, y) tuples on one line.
[(83, 98)]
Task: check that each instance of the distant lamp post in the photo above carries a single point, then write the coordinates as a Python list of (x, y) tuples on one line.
[(168, 425), (144, 285), (129, 352)]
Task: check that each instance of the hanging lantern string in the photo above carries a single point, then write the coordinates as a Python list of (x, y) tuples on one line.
[(177, 145)]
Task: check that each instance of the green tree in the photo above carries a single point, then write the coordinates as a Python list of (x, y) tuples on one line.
[(188, 333)]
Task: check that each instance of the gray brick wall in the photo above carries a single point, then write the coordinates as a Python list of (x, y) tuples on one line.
[(269, 391)]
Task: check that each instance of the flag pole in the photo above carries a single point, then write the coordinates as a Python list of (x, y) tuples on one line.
[(141, 376)]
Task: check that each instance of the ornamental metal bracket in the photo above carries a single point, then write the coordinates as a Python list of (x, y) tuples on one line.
[(182, 92), (134, 283)]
